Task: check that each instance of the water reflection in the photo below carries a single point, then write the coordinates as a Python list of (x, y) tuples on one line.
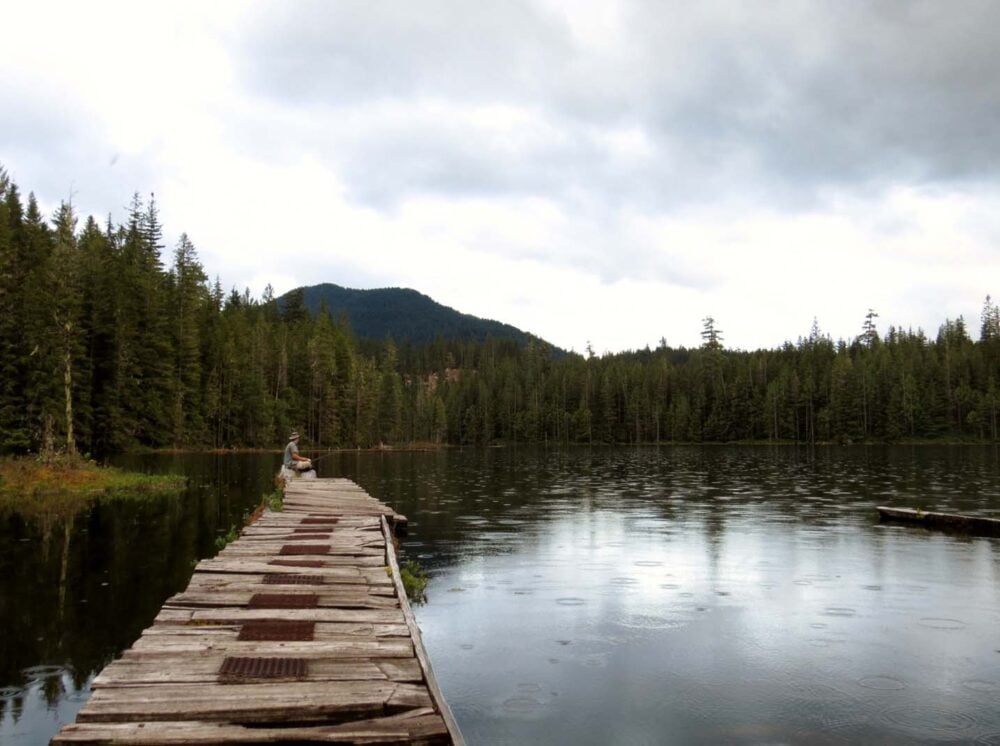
[(591, 596), (687, 595), (76, 590)]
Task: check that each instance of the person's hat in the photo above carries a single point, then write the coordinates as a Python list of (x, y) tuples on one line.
[(294, 435)]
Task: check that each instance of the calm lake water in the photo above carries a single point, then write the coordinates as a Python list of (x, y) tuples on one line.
[(675, 595)]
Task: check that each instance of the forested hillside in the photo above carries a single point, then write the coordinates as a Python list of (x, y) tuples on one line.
[(105, 345), (402, 314)]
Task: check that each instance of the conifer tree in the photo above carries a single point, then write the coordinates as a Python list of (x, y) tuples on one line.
[(43, 389), (869, 334), (390, 398), (711, 337), (989, 328), (14, 351), (189, 297), (63, 279)]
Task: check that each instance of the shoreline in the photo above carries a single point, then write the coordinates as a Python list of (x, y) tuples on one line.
[(425, 448)]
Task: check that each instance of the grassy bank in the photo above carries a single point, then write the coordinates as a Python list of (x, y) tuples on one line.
[(64, 485)]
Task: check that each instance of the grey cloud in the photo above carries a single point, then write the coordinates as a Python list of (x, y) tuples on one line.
[(446, 160), (345, 52), (777, 104), (788, 97), (62, 149), (847, 93)]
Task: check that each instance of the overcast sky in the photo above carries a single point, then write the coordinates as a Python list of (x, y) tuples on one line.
[(599, 171)]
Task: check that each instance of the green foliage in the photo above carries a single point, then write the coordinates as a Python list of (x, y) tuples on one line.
[(414, 581), (221, 542), (65, 485), (275, 501), (103, 348), (404, 314)]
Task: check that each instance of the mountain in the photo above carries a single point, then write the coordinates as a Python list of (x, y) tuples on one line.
[(403, 314)]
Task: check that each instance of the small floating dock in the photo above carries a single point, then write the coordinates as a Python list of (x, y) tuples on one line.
[(299, 631), (945, 521)]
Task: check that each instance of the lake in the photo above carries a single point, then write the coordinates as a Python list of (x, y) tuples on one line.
[(661, 595)]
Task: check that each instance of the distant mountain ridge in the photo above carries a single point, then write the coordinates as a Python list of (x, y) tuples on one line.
[(405, 315)]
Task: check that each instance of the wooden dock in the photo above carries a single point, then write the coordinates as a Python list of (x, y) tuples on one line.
[(299, 631), (965, 524)]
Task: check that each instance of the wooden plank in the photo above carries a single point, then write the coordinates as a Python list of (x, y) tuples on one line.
[(144, 671), (274, 549), (321, 631), (348, 647), (237, 550), (416, 726), (238, 615), (289, 579), (285, 536), (297, 702), (340, 527), (315, 583), (262, 544), (324, 598), (279, 521), (327, 503), (248, 571), (263, 564)]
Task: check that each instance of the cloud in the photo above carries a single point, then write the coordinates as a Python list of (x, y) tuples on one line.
[(802, 97), (598, 171), (350, 52)]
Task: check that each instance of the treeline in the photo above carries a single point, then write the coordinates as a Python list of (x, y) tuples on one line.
[(904, 386), (105, 347)]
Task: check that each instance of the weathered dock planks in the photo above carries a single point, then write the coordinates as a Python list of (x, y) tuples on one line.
[(965, 524), (299, 631)]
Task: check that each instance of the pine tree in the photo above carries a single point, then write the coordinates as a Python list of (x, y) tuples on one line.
[(63, 278), (990, 321), (390, 400), (43, 389), (14, 350), (869, 334), (711, 337), (189, 296)]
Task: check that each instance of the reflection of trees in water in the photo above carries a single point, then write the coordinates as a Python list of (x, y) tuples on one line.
[(53, 687), (51, 683), (77, 586), (75, 590), (12, 706)]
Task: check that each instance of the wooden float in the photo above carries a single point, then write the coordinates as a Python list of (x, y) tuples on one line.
[(299, 631), (965, 524)]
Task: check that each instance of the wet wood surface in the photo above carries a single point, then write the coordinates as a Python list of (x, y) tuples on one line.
[(299, 631)]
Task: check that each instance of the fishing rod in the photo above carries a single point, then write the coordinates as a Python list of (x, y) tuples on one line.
[(324, 455)]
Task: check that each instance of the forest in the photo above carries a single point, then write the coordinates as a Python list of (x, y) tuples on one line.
[(110, 342)]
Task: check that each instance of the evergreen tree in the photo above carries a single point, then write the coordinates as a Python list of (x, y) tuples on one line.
[(99, 311), (390, 401), (15, 262), (869, 334), (990, 321), (62, 275), (102, 348), (711, 337), (189, 297), (41, 382)]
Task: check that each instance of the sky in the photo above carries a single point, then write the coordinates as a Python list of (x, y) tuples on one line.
[(602, 172)]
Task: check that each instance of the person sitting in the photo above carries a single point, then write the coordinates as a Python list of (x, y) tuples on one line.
[(295, 463)]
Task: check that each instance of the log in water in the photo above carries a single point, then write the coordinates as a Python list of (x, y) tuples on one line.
[(966, 524)]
